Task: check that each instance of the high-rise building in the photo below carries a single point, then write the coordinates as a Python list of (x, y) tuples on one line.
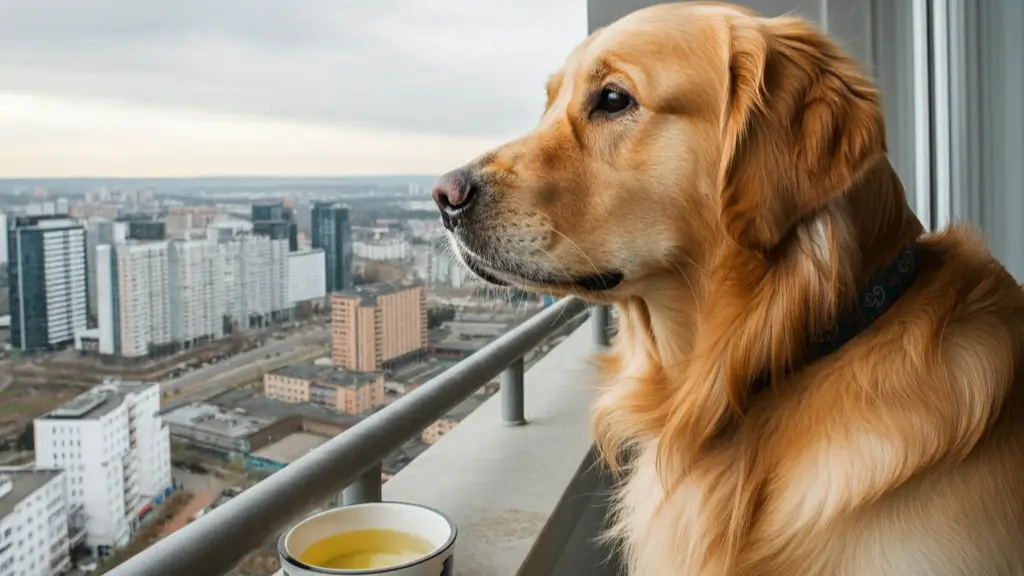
[(116, 453), (253, 278), (306, 278), (134, 300), (276, 220), (38, 528), (375, 327), (332, 231), (196, 297), (161, 295), (100, 231), (48, 289)]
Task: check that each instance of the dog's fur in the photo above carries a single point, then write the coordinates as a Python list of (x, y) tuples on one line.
[(745, 199)]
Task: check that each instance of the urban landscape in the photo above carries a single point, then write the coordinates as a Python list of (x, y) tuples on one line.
[(166, 344)]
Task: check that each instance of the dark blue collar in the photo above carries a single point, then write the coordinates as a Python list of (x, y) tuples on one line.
[(879, 294)]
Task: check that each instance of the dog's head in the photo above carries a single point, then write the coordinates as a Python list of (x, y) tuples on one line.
[(667, 135)]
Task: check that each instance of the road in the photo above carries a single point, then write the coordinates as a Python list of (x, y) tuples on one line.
[(222, 375)]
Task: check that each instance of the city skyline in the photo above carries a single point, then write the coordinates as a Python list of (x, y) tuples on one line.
[(269, 89)]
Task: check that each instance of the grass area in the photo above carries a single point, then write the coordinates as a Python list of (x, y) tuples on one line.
[(19, 408)]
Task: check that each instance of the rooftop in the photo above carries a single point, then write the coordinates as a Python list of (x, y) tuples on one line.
[(291, 447), (326, 375), (421, 372), (305, 252), (46, 221), (97, 402), (24, 482), (255, 404), (212, 419), (368, 293), (491, 329)]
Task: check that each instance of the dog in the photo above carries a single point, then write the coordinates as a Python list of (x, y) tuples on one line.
[(804, 382)]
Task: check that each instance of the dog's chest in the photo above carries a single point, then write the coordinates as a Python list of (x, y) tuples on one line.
[(669, 533)]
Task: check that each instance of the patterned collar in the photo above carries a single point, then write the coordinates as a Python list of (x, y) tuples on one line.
[(878, 295)]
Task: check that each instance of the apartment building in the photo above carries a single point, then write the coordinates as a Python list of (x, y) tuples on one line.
[(48, 286), (100, 231), (253, 277), (155, 295), (133, 298), (378, 326), (37, 525), (116, 454), (306, 276), (195, 294), (346, 391)]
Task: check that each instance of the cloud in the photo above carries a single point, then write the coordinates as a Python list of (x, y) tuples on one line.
[(451, 68), (44, 136)]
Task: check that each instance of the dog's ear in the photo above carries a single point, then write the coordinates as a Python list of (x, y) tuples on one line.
[(801, 126)]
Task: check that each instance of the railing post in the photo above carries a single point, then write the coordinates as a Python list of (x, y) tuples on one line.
[(365, 489), (601, 317), (513, 401)]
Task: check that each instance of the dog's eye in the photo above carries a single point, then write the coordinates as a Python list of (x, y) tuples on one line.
[(613, 100)]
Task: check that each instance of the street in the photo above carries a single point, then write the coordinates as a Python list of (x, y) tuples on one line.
[(206, 381)]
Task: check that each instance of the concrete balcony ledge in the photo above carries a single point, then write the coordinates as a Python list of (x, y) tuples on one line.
[(519, 493)]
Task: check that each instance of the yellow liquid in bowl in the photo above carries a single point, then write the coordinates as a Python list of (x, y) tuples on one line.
[(366, 549)]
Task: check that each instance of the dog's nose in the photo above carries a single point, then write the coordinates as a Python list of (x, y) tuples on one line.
[(453, 193)]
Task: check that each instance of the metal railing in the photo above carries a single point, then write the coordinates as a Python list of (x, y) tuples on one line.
[(219, 540)]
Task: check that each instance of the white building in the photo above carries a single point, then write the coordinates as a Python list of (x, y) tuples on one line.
[(306, 276), (133, 297), (253, 277), (196, 299), (56, 207), (49, 296), (383, 249), (100, 231), (35, 533), (116, 453), (152, 294)]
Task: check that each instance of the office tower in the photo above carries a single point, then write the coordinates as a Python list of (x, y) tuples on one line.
[(332, 231), (48, 286), (277, 221)]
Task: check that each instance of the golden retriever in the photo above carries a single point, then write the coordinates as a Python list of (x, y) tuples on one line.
[(722, 179)]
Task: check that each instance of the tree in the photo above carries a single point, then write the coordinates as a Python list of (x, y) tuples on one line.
[(27, 439), (303, 311)]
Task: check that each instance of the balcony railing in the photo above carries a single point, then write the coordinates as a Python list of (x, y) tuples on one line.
[(352, 460)]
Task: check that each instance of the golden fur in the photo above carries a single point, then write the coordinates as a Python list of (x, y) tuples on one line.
[(745, 199)]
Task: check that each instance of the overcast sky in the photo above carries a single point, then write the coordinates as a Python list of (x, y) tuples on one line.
[(270, 87)]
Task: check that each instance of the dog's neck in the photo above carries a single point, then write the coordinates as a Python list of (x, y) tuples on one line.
[(737, 316)]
